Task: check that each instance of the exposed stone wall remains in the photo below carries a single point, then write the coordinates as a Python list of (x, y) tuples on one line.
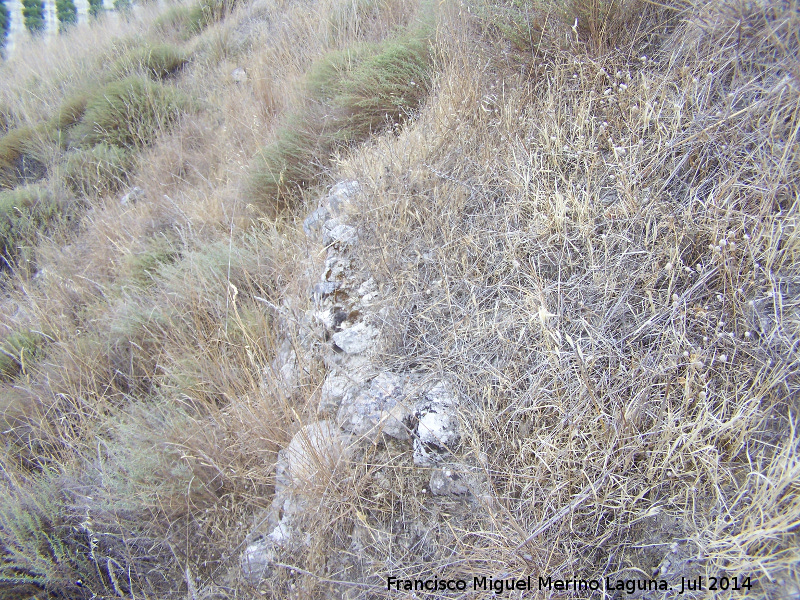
[(359, 402)]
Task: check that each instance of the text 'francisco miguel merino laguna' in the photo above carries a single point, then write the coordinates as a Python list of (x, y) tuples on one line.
[(498, 586)]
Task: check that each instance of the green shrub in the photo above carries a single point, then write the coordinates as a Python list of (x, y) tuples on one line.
[(100, 170), (174, 19), (18, 351), (351, 95), (24, 213), (142, 266), (158, 61), (95, 7), (20, 156), (66, 13), (129, 113), (44, 546), (122, 6), (33, 15)]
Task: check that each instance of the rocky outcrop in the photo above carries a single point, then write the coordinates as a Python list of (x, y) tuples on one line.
[(359, 403), (303, 470)]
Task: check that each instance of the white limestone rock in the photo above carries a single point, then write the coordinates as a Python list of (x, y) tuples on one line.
[(239, 75), (340, 196), (336, 232), (332, 207), (378, 408), (257, 560), (357, 339), (313, 223), (333, 390), (447, 482), (337, 267), (437, 426), (284, 366)]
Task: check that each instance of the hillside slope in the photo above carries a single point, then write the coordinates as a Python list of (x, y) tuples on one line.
[(335, 299)]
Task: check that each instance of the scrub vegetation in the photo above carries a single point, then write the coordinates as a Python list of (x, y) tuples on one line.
[(583, 214)]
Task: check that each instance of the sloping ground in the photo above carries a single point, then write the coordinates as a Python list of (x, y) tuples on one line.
[(588, 229)]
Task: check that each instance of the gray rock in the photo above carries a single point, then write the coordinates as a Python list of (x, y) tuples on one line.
[(447, 482), (323, 289), (284, 365), (313, 223), (257, 560), (336, 232), (332, 207), (437, 427), (340, 196), (333, 390), (357, 339), (378, 408), (239, 75), (337, 267), (132, 196)]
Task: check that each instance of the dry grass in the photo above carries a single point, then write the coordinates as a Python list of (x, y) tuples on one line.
[(590, 230)]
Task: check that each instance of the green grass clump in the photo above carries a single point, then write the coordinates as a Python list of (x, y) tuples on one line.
[(98, 170), (351, 95), (176, 19), (20, 160), (95, 7), (129, 113), (290, 162), (71, 111), (188, 21), (17, 351), (24, 212), (384, 88), (143, 266), (207, 12), (158, 61)]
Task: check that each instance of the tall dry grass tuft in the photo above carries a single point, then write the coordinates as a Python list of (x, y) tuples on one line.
[(588, 227), (597, 257)]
